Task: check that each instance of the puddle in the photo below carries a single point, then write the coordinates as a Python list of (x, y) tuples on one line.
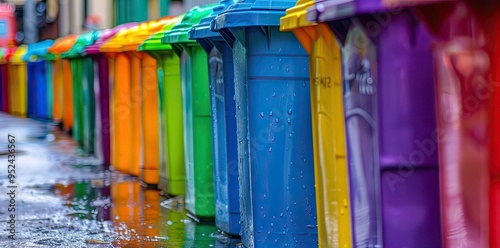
[(64, 200)]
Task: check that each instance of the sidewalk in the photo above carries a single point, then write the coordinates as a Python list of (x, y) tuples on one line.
[(63, 200)]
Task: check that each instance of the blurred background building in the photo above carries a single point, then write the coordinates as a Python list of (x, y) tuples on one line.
[(49, 19)]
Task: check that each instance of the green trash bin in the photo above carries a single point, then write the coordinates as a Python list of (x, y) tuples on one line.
[(172, 172), (199, 198), (49, 63), (82, 68)]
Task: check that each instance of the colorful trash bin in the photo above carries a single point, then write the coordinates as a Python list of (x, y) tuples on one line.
[(171, 171), (274, 130), (144, 97), (330, 164), (41, 53), (18, 83), (63, 82), (55, 85), (38, 83), (199, 197), (223, 106), (82, 70), (466, 68), (390, 122), (121, 110), (102, 74)]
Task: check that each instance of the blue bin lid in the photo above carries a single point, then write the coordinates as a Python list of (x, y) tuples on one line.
[(37, 50), (246, 13), (202, 30)]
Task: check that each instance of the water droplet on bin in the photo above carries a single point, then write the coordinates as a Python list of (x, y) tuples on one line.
[(290, 112), (271, 113), (277, 120), (274, 94), (288, 120), (270, 149), (262, 114)]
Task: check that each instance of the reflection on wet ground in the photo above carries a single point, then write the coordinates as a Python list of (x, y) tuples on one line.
[(64, 200)]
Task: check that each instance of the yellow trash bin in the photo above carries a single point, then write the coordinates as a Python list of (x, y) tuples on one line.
[(18, 89), (330, 164)]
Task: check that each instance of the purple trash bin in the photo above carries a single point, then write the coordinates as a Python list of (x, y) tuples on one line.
[(102, 90), (390, 122)]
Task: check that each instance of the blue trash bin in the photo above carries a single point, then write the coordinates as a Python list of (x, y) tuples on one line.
[(274, 130), (223, 106), (38, 85)]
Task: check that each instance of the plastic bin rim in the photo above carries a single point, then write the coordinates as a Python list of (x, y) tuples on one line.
[(295, 17)]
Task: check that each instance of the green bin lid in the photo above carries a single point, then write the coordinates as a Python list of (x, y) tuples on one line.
[(179, 33), (153, 43), (82, 42)]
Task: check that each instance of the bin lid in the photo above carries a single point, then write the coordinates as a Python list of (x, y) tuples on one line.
[(18, 56), (296, 16), (146, 29), (202, 30), (153, 43), (252, 13), (63, 44), (105, 36), (80, 44), (37, 50), (179, 33), (116, 43), (324, 10)]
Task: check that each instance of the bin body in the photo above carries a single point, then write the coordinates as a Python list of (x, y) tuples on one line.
[(275, 152), (57, 77), (467, 118), (199, 197), (4, 87), (18, 85), (223, 111), (49, 80), (36, 88), (102, 75), (390, 124), (327, 109)]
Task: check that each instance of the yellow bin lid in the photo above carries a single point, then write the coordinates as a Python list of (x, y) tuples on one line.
[(116, 43), (145, 30), (63, 44), (18, 56), (295, 16)]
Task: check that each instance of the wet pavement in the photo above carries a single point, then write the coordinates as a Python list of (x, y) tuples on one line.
[(65, 200)]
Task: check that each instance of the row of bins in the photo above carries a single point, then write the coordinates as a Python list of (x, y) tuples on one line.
[(359, 123)]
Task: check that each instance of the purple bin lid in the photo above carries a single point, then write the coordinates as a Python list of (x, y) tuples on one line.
[(327, 10), (106, 35)]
